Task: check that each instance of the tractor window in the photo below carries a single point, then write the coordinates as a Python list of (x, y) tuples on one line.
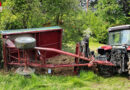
[(125, 37), (115, 38), (119, 37)]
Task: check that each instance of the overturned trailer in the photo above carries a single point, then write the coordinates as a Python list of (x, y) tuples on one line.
[(33, 47)]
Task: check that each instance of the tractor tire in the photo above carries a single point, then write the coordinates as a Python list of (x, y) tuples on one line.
[(128, 69), (106, 71), (25, 42)]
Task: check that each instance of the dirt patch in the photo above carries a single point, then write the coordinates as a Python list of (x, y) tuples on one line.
[(61, 59)]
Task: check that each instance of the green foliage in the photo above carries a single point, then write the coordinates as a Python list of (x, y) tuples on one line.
[(55, 10), (21, 14), (67, 14), (81, 24), (97, 26), (111, 12)]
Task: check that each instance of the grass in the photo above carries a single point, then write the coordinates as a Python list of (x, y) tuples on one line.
[(93, 46), (85, 81)]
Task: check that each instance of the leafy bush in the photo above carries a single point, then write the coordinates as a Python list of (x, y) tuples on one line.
[(111, 11), (77, 26)]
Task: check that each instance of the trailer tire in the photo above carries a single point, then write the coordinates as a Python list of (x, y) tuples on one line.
[(25, 42)]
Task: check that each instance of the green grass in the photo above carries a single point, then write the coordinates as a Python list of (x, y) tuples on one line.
[(70, 47), (86, 80), (94, 45)]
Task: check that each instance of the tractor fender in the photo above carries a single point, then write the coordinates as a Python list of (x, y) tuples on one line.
[(106, 47), (128, 48), (101, 50)]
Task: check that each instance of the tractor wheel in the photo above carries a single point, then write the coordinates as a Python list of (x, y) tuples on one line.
[(25, 42), (128, 70), (106, 71)]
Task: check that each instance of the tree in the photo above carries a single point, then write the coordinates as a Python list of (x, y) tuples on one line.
[(55, 10), (111, 11), (21, 14), (125, 6)]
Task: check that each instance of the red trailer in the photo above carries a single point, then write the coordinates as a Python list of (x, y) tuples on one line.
[(47, 43)]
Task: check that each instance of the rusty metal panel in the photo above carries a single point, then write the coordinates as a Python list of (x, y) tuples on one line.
[(29, 30)]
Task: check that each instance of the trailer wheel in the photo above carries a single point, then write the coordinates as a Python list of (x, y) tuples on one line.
[(25, 42), (21, 71)]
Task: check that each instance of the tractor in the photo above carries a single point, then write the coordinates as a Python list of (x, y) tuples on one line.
[(117, 51)]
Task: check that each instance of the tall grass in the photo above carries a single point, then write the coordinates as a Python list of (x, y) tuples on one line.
[(86, 81)]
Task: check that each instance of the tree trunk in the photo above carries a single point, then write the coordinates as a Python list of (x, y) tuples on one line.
[(57, 19)]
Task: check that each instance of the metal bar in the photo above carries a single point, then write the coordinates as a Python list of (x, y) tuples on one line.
[(52, 65), (18, 56), (36, 55), (9, 54), (26, 57), (19, 64), (4, 54), (61, 39), (76, 59), (62, 52), (77, 53), (15, 57), (57, 66), (48, 65), (44, 60), (36, 44)]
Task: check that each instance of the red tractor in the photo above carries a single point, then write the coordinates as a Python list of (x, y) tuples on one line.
[(117, 51)]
